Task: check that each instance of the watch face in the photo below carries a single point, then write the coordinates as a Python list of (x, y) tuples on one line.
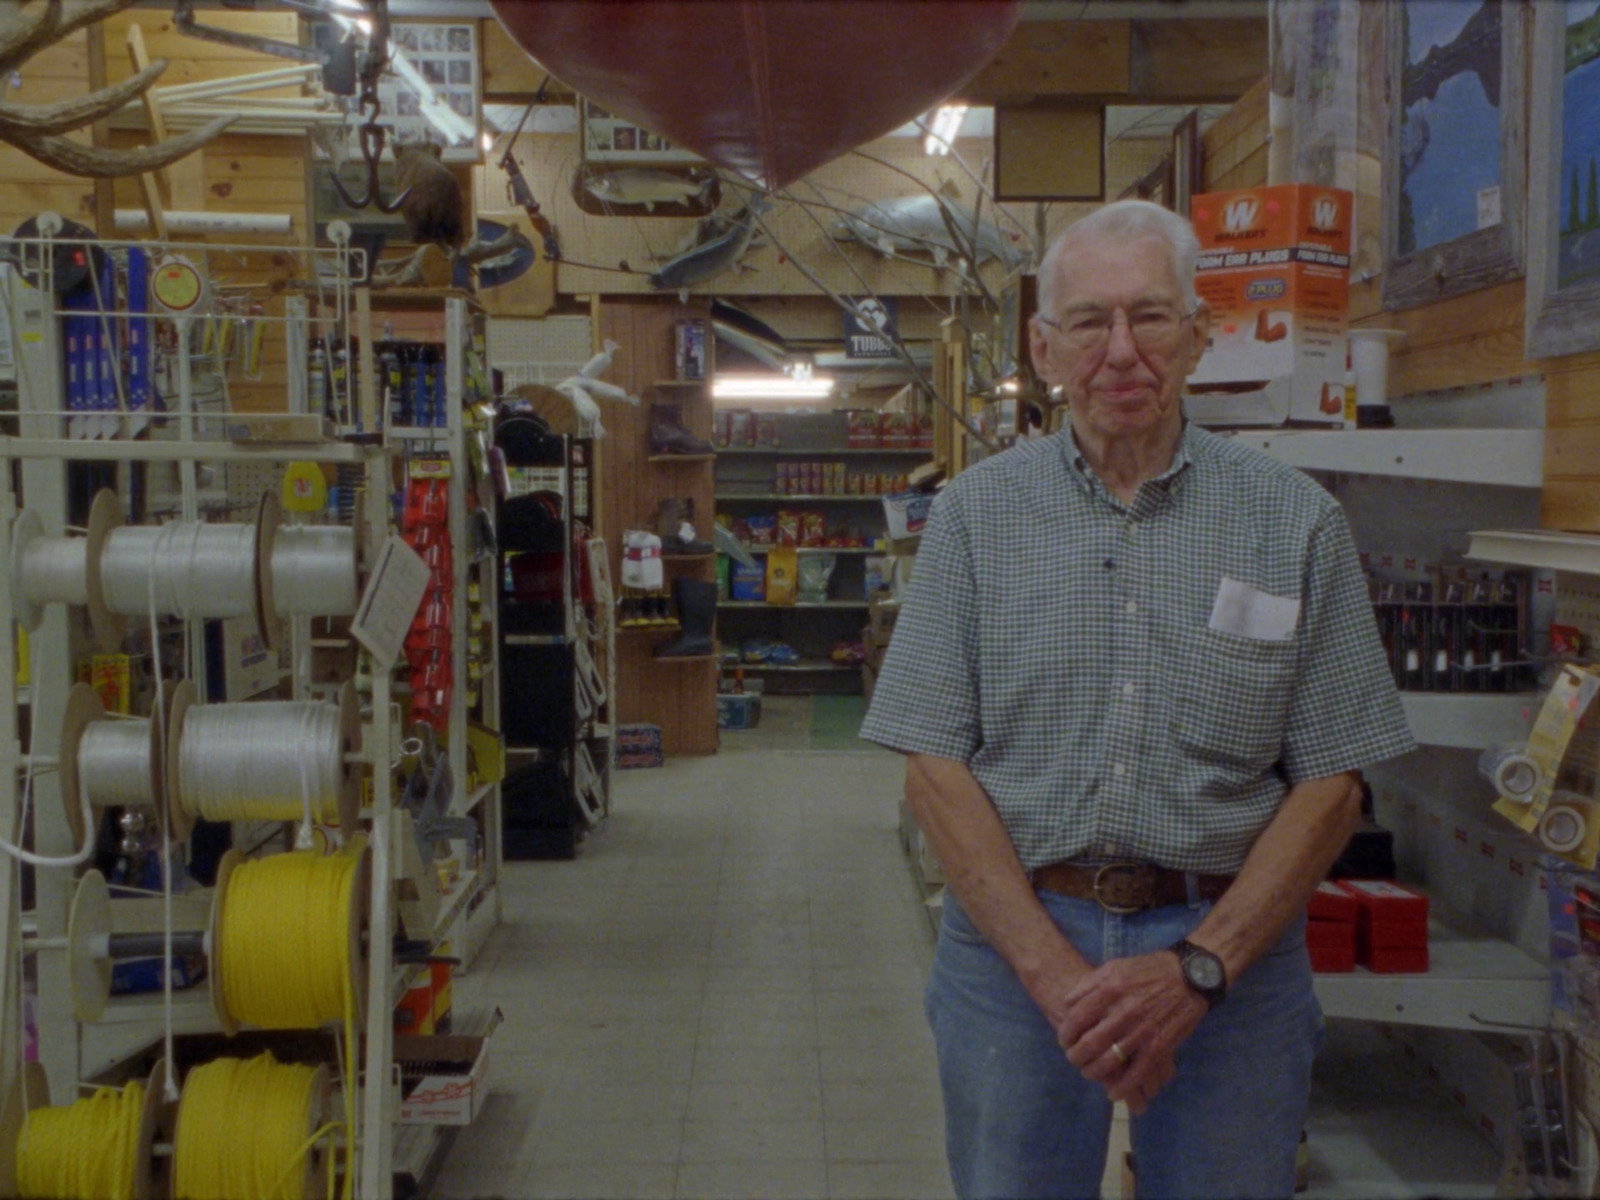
[(1204, 971)]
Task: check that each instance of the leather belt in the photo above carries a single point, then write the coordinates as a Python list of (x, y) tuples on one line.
[(1126, 887)]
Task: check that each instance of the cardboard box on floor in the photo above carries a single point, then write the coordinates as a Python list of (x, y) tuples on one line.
[(443, 1079), (1275, 271)]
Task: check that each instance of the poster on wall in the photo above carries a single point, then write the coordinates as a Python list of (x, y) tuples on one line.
[(430, 91), (1453, 170), (1563, 297)]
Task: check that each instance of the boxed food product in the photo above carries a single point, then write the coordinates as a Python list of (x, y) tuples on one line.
[(689, 348), (763, 529), (766, 429), (741, 427), (1275, 270), (788, 527), (812, 529), (861, 428), (639, 746), (720, 425), (836, 479), (906, 513), (894, 430)]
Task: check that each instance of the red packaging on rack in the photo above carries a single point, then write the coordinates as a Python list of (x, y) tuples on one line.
[(1332, 946), (1333, 902), (1384, 902)]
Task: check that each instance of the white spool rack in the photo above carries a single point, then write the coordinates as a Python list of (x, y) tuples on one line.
[(38, 459)]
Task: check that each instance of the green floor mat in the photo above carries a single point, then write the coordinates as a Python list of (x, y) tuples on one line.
[(836, 723)]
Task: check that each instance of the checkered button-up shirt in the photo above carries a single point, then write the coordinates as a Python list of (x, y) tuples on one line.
[(1072, 651)]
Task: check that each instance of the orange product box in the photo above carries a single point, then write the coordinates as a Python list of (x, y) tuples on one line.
[(1274, 269)]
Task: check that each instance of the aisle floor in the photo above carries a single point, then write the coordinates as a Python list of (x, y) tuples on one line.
[(722, 998)]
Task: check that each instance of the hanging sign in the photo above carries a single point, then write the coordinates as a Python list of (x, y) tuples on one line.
[(868, 330)]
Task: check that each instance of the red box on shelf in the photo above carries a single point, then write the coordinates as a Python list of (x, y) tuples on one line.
[(1391, 913), (1332, 946), (1333, 902)]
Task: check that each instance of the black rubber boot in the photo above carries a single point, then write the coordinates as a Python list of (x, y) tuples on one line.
[(697, 613), (668, 436), (670, 517)]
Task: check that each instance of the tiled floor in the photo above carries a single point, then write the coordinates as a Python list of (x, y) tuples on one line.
[(721, 998)]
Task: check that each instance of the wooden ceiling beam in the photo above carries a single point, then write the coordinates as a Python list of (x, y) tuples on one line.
[(1169, 61)]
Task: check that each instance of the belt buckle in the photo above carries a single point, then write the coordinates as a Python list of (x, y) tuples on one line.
[(1120, 909)]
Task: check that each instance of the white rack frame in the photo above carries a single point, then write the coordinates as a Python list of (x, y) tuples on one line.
[(43, 455)]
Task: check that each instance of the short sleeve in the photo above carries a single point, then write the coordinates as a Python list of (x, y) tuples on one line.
[(1345, 713), (926, 697)]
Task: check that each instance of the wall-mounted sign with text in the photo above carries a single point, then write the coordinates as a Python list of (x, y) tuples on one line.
[(870, 330)]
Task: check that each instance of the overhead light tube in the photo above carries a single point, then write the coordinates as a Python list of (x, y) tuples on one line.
[(771, 387), (944, 127)]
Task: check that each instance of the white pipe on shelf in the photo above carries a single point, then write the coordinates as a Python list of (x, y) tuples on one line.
[(254, 82), (136, 220)]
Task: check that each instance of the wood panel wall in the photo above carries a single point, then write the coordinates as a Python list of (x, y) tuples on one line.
[(679, 697), (244, 174)]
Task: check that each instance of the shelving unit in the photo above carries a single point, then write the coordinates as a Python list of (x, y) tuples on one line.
[(40, 460), (1491, 457), (745, 488), (560, 759)]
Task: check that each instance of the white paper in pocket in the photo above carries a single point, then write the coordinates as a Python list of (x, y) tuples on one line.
[(1249, 612)]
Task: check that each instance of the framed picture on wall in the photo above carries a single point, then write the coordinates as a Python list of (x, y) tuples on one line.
[(1452, 171), (1563, 297)]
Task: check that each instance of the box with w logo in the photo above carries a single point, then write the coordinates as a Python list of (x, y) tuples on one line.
[(1275, 270)]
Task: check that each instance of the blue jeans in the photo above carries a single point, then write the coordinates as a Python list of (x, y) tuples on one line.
[(1021, 1122)]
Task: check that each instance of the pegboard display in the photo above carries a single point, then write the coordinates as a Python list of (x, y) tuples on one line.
[(516, 341)]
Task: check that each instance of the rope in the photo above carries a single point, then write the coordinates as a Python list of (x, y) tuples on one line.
[(88, 1150), (114, 764), (268, 760), (285, 952), (56, 569), (314, 571), (242, 1130), (190, 570)]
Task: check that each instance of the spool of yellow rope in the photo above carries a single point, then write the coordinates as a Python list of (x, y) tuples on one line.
[(88, 1150), (246, 1129), (287, 940)]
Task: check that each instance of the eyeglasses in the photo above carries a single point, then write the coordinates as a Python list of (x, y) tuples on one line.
[(1151, 326)]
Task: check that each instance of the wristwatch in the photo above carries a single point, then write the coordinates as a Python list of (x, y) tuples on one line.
[(1202, 970)]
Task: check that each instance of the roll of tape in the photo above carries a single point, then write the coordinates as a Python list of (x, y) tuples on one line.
[(1562, 828), (1516, 777)]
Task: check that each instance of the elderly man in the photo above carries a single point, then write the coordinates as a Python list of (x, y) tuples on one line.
[(1135, 678)]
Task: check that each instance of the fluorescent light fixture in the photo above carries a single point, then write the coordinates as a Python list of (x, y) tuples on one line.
[(946, 124), (771, 387)]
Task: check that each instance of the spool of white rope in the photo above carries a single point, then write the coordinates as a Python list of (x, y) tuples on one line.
[(114, 763), (262, 761), (314, 571), (56, 570), (195, 570)]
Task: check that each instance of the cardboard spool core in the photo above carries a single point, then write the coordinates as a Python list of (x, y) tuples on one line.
[(105, 514), (269, 514), (184, 697)]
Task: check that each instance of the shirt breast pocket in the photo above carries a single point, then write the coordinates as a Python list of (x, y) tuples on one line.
[(1232, 698)]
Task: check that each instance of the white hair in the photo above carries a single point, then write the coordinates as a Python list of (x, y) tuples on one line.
[(1125, 221)]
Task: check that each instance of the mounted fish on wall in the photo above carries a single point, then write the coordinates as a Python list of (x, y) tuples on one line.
[(933, 225), (724, 240), (625, 191)]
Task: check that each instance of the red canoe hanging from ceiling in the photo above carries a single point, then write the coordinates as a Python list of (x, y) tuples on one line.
[(771, 89)]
